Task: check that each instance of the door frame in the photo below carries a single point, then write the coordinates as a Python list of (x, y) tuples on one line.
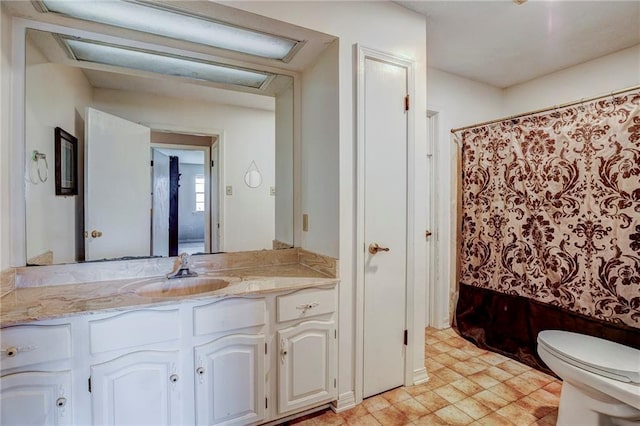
[(218, 136), (365, 53)]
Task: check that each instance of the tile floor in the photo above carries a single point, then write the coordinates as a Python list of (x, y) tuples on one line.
[(467, 386)]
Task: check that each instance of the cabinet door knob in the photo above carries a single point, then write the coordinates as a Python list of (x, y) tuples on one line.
[(200, 371), (96, 234), (173, 378), (11, 352), (61, 402), (375, 248)]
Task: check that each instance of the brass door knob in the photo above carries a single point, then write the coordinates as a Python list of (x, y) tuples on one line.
[(96, 234), (427, 234), (375, 248)]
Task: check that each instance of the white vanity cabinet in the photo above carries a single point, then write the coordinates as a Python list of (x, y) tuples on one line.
[(307, 349), (35, 385), (136, 368), (230, 364), (141, 388)]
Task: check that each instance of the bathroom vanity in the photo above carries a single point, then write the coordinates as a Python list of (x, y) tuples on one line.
[(261, 348)]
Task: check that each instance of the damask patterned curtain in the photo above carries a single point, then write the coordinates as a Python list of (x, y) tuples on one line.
[(551, 221)]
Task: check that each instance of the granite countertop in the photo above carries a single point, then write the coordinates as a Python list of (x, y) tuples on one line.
[(28, 304)]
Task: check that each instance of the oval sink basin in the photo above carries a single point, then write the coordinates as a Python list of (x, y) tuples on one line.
[(182, 287)]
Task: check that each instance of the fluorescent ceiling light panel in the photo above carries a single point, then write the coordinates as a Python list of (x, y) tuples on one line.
[(160, 20), (88, 51)]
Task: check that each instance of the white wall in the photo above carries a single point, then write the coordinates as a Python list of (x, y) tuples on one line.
[(458, 102), (5, 139), (390, 28), (248, 134), (284, 166), (616, 71), (56, 96), (320, 151)]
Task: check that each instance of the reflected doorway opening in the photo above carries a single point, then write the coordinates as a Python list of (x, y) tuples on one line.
[(182, 194)]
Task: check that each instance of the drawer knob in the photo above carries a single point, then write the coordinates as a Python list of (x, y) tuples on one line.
[(200, 371), (306, 306), (12, 351), (173, 378), (61, 402)]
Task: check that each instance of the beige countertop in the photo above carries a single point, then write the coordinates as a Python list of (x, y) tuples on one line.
[(28, 304)]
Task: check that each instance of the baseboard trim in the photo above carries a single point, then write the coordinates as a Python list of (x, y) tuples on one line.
[(420, 376), (345, 402)]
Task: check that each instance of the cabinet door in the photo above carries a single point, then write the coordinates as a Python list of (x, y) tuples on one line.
[(36, 399), (230, 381), (141, 388), (306, 365)]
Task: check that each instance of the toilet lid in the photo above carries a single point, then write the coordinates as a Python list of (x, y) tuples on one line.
[(599, 356)]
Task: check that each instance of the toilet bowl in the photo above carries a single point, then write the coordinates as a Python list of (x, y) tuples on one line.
[(601, 379)]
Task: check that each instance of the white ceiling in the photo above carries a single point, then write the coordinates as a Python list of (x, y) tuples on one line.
[(501, 43)]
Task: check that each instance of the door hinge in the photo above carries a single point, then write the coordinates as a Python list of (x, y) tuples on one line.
[(89, 383), (335, 383), (265, 348), (266, 403), (406, 103), (335, 334), (406, 337), (212, 163), (151, 163)]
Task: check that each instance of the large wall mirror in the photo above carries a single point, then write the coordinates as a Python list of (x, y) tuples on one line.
[(163, 151)]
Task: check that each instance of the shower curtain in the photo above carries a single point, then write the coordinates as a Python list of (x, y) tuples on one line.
[(550, 232)]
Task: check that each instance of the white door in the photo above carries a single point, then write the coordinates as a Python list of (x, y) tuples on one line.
[(306, 365), (230, 381), (36, 399), (385, 224), (117, 182), (215, 198), (142, 388), (160, 197)]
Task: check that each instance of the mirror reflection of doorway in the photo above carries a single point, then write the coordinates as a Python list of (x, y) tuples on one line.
[(180, 200)]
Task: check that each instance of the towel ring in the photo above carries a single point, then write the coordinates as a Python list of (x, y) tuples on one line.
[(36, 157)]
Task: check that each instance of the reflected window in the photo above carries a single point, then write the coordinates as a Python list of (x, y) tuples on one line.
[(199, 187)]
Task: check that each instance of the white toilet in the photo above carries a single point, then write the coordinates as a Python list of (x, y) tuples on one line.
[(601, 379)]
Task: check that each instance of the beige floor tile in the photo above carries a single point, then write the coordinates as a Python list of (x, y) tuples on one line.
[(456, 342), (357, 411), (535, 407), (412, 409), (430, 420), (432, 401), (517, 414), (545, 397), (442, 347), (432, 365), (451, 332), (390, 416), (450, 393), (491, 400), (513, 367), (495, 419), (540, 379), (554, 387), (458, 354), (483, 380), (445, 359), (418, 389), (473, 408), (522, 385), (469, 367), (435, 382), (498, 374), (493, 358), (453, 416), (550, 419), (467, 386), (375, 403), (506, 392), (329, 418), (367, 420), (441, 335), (448, 375), (396, 395)]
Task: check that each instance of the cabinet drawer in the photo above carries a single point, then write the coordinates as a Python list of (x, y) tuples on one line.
[(227, 315), (26, 345), (131, 329), (305, 304)]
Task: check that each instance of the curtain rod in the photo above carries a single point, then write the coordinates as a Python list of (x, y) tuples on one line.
[(538, 111)]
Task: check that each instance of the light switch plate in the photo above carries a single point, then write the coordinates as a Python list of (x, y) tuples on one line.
[(272, 191), (305, 222), (229, 190)]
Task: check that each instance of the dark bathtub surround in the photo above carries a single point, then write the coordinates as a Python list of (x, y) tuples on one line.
[(550, 232)]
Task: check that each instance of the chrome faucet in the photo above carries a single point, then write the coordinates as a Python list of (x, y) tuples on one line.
[(182, 269)]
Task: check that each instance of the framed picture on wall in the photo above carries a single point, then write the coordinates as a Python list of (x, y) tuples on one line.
[(66, 163)]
